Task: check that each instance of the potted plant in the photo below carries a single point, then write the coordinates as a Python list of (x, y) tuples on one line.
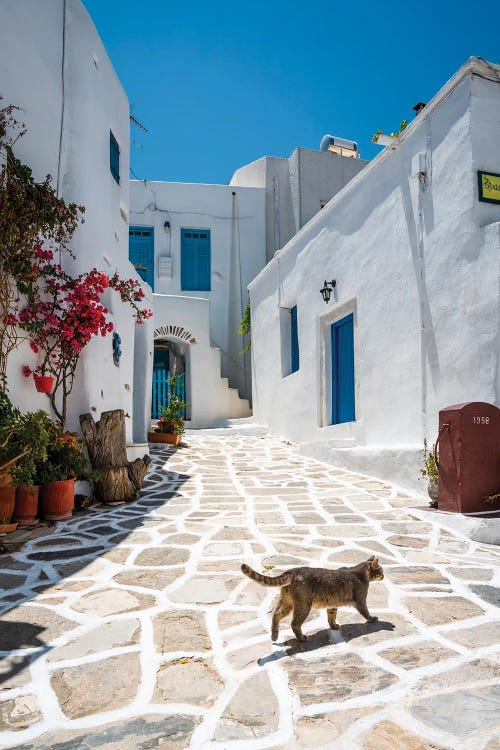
[(430, 472), (9, 455), (57, 475), (170, 426), (37, 430)]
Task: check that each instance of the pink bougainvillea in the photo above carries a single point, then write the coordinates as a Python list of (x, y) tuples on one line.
[(65, 314)]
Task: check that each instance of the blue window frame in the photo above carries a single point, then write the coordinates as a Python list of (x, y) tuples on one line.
[(294, 340), (141, 252), (195, 260), (343, 401), (114, 157)]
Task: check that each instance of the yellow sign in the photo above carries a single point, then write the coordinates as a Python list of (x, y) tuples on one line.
[(489, 187)]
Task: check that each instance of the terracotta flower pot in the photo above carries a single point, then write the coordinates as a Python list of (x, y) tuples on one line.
[(57, 500), (43, 383), (7, 503), (164, 437), (68, 438), (26, 508)]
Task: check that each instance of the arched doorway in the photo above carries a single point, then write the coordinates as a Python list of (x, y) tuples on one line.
[(171, 357), (169, 360)]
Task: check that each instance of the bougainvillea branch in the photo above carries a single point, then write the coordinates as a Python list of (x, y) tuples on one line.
[(64, 314), (30, 212)]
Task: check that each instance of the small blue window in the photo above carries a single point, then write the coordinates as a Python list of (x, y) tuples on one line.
[(195, 260), (114, 157), (294, 339)]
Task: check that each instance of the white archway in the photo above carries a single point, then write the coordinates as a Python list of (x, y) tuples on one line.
[(176, 332)]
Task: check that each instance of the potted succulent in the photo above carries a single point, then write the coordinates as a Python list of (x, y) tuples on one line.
[(57, 475), (430, 472), (170, 425)]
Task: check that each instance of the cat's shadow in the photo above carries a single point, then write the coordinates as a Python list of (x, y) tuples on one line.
[(326, 637)]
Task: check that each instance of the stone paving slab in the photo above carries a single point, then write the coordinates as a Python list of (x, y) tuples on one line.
[(133, 627)]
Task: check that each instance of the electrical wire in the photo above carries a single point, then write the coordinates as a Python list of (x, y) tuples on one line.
[(63, 100)]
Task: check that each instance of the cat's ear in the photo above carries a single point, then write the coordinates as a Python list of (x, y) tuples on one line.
[(370, 559), (374, 562)]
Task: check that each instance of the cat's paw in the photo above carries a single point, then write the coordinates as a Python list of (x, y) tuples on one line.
[(372, 619), (274, 636), (335, 626), (302, 638)]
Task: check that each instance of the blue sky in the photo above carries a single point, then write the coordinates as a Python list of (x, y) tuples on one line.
[(220, 84)]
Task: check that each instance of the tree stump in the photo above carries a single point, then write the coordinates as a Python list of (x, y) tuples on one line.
[(119, 480)]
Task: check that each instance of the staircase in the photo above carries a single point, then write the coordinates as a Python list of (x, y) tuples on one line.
[(229, 403)]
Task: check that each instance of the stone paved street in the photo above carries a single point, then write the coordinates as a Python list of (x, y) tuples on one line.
[(134, 627)]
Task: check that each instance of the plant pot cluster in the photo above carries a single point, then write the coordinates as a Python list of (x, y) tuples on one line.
[(38, 467)]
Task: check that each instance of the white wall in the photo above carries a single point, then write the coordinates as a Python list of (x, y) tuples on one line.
[(418, 269), (237, 255), (295, 188), (68, 137), (207, 394)]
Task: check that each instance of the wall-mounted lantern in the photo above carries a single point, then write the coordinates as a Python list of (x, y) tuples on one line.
[(327, 290)]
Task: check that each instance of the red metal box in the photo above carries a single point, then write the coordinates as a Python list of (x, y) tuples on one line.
[(469, 457)]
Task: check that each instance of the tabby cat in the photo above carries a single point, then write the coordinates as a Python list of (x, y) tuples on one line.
[(304, 588)]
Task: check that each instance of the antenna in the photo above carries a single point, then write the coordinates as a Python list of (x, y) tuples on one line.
[(137, 129)]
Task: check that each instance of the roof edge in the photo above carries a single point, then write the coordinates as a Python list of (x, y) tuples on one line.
[(475, 65)]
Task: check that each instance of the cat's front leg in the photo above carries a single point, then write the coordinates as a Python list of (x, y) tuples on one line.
[(363, 610), (332, 618), (299, 617)]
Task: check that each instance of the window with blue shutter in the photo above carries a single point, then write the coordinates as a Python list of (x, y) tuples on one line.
[(343, 402), (141, 252), (294, 340), (114, 157), (195, 260)]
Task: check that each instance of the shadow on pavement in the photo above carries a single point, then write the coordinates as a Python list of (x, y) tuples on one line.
[(326, 637), (45, 561)]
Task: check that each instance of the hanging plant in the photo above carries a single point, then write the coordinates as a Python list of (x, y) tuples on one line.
[(245, 327)]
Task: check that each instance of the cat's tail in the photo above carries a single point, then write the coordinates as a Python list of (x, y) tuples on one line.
[(285, 579)]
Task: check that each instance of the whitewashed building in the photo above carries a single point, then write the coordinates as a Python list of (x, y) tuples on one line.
[(298, 187), (412, 324), (199, 246), (54, 66)]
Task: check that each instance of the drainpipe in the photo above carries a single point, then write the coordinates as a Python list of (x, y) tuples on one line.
[(63, 102), (276, 188)]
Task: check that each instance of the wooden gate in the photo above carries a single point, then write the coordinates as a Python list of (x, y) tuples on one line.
[(161, 390)]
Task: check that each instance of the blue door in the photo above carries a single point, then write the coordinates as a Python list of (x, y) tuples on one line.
[(141, 252), (294, 340), (195, 260), (343, 404)]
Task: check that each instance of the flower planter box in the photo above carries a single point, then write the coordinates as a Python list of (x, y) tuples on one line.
[(164, 437)]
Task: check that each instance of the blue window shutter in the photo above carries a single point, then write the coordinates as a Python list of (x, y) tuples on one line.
[(114, 157), (195, 260), (343, 389), (294, 339), (203, 258), (141, 252)]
